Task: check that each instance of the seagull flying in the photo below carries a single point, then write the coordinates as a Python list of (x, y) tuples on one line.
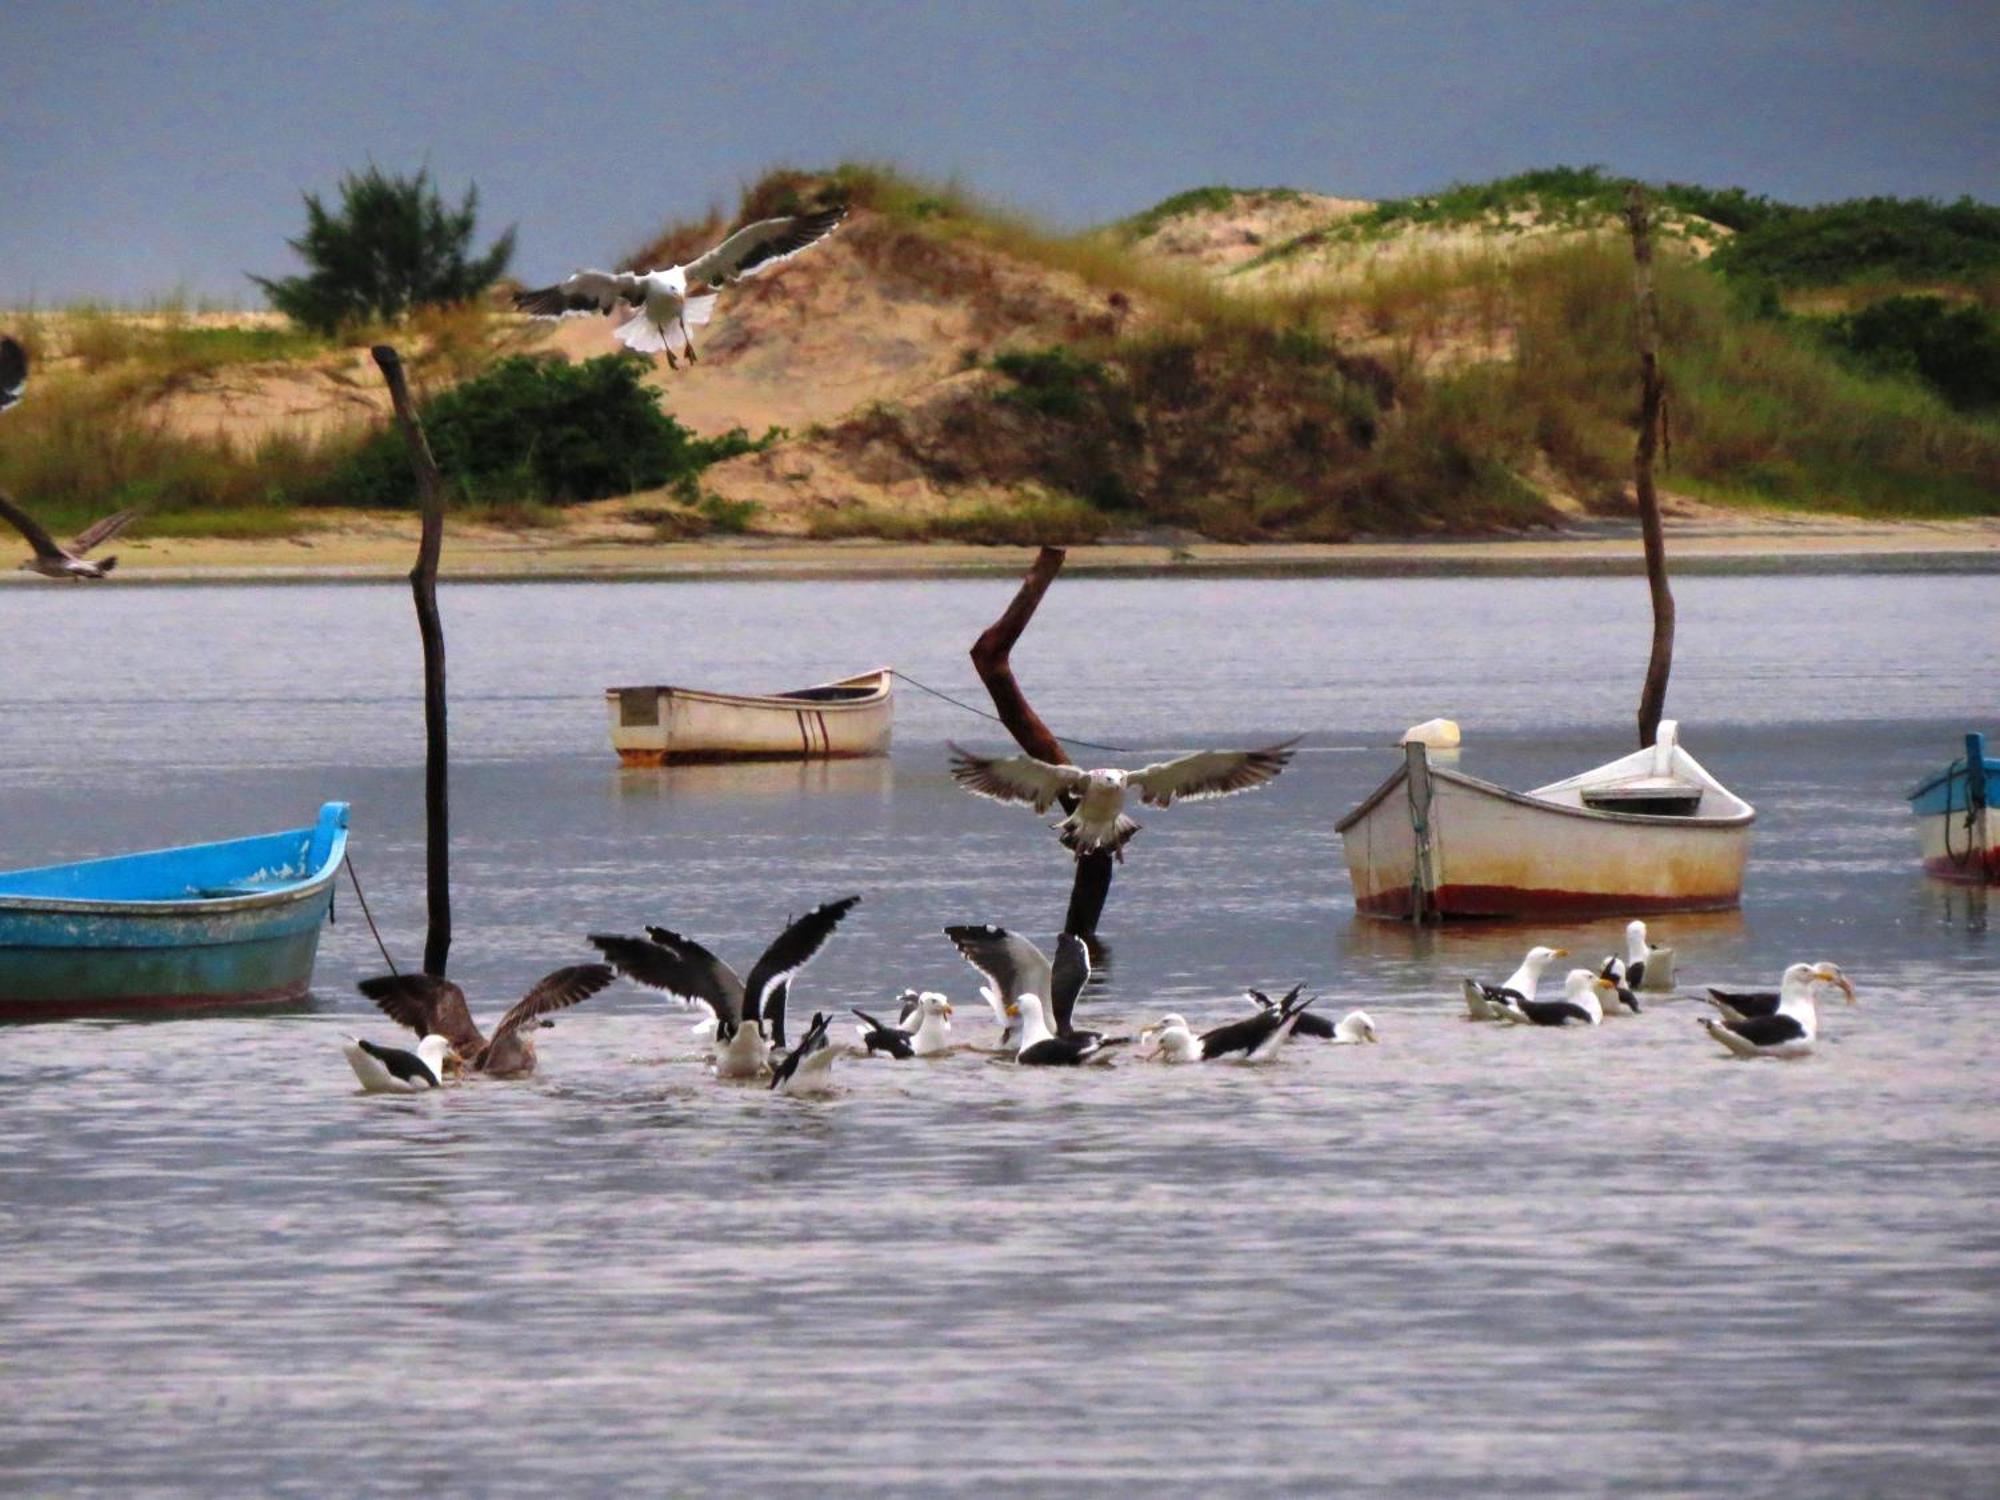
[(429, 1003), (13, 370), (749, 1015), (53, 560), (1099, 821), (671, 300)]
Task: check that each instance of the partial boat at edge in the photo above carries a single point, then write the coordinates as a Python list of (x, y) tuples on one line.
[(230, 923), (1649, 832), (1956, 829)]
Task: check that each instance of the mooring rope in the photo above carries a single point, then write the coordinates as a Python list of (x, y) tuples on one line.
[(370, 916), (975, 709)]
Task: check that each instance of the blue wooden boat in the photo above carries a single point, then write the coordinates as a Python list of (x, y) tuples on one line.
[(234, 923), (1956, 828)]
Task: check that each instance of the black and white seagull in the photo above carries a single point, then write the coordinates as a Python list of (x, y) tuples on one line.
[(1745, 1005), (13, 370), (749, 1015), (1792, 1027), (1356, 1028), (671, 301), (53, 560), (1016, 971), (1619, 1000), (428, 1003), (1047, 1039), (1254, 1039), (1483, 1001), (1582, 1003), (398, 1070), (808, 1067), (1099, 821), (1648, 965), (878, 1035)]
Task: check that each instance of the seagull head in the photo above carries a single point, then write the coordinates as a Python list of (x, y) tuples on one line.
[(1356, 1026), (1826, 973), (1108, 779), (932, 1003), (1539, 959)]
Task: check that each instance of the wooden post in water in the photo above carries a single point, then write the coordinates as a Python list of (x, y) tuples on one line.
[(423, 587), (991, 658), (1653, 698)]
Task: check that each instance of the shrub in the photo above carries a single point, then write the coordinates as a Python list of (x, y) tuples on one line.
[(538, 429), (1911, 239), (391, 246), (1955, 349)]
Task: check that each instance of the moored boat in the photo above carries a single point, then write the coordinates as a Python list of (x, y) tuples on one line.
[(1956, 829), (1649, 832), (655, 726), (230, 923)]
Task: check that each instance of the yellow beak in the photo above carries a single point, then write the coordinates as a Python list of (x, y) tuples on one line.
[(1828, 974), (1561, 952)]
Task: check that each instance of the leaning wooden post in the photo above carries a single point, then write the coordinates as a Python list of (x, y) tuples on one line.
[(1653, 699), (991, 658), (423, 587)]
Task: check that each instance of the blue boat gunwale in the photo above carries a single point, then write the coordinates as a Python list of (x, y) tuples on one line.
[(1939, 793), (322, 845)]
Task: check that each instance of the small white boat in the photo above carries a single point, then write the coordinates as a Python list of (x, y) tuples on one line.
[(1649, 832), (657, 726)]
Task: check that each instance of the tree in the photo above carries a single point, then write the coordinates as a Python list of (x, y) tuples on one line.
[(392, 245)]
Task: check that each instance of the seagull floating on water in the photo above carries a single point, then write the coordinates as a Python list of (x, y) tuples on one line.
[(1648, 965), (808, 1067), (1483, 1001), (1745, 1005), (1255, 1039), (51, 559), (13, 370), (397, 1070), (429, 1003), (1582, 1002), (1047, 1039), (749, 1015), (1619, 1000), (1017, 972), (1099, 821), (1352, 1029), (878, 1035), (671, 300), (1791, 1028)]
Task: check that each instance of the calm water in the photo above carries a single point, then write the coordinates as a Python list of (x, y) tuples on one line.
[(1470, 1260)]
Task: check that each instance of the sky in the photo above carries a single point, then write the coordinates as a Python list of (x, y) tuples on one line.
[(159, 150)]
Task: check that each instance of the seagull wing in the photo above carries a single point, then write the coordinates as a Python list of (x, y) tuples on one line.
[(29, 527), (1016, 778), (1067, 978), (1209, 773), (557, 991), (585, 292), (101, 532), (1012, 965), (426, 1003), (13, 370), (771, 975), (667, 961), (755, 248)]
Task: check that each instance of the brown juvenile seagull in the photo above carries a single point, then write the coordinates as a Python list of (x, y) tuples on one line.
[(1099, 821), (669, 300), (52, 560), (427, 1004)]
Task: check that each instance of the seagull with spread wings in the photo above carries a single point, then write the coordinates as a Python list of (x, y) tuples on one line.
[(431, 1005), (51, 559), (749, 1014), (669, 302), (1099, 821)]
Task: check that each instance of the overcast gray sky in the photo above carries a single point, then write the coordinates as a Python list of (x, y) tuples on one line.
[(146, 148)]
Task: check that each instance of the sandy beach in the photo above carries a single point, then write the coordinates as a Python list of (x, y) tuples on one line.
[(601, 542)]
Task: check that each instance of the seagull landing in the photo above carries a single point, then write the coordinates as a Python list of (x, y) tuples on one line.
[(1099, 821), (671, 300), (427, 1003), (749, 1015), (53, 560)]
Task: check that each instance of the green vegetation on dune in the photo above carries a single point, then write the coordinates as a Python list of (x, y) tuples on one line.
[(1214, 199)]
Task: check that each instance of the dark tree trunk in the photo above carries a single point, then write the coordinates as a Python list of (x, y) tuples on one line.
[(423, 588), (991, 658), (1652, 397)]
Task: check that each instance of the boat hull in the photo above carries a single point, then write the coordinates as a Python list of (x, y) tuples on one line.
[(657, 726), (1958, 834), (66, 952), (1495, 853)]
